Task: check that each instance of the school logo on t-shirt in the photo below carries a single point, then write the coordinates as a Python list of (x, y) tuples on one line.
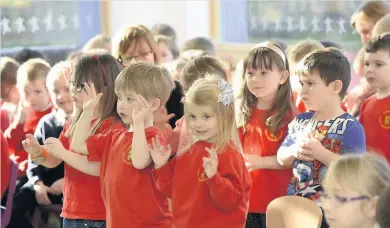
[(384, 119), (126, 156), (201, 176), (274, 137)]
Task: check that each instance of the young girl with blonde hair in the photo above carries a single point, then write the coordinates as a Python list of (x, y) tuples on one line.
[(208, 183), (265, 111), (352, 186)]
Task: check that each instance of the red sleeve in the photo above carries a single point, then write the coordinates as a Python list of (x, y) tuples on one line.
[(4, 120), (5, 164), (231, 184), (362, 111), (150, 133), (99, 144), (164, 178), (14, 136)]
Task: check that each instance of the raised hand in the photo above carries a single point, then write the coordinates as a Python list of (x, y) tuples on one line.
[(141, 110), (91, 99), (32, 146), (210, 164), (159, 153), (23, 109), (161, 116)]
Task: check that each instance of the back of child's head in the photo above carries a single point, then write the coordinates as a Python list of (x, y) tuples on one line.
[(300, 49), (199, 68), (128, 37), (382, 26), (214, 92), (8, 69), (98, 42), (74, 55), (149, 80), (266, 56), (164, 29), (101, 70), (26, 54), (32, 70), (328, 43), (330, 64), (379, 43), (199, 43), (169, 42), (383, 208)]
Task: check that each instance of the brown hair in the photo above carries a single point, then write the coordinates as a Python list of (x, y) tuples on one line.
[(378, 43), (164, 29), (147, 79), (199, 43), (170, 42), (101, 70), (382, 26), (331, 65), (300, 49), (32, 70), (371, 11), (97, 42), (199, 67), (126, 36), (265, 58), (8, 69)]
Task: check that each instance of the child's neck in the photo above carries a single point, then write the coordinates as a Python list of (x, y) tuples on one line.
[(383, 93), (265, 103), (329, 112), (45, 108)]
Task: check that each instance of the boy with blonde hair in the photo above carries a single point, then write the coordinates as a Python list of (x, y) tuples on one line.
[(33, 105), (126, 170)]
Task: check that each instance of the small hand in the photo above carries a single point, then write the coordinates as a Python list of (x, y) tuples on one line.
[(91, 99), (41, 191), (54, 147), (32, 146), (141, 110), (159, 153), (161, 116), (210, 164), (309, 149)]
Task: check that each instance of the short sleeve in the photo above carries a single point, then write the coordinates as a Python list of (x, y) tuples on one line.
[(98, 145), (354, 139)]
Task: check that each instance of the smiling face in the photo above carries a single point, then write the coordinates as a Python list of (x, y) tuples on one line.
[(61, 96), (202, 121)]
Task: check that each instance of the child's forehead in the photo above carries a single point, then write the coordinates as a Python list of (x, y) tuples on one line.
[(382, 55), (195, 108), (39, 83)]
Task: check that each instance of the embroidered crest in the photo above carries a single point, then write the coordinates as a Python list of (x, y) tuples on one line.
[(227, 95), (126, 156)]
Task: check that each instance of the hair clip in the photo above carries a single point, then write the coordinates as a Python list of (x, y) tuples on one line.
[(227, 95)]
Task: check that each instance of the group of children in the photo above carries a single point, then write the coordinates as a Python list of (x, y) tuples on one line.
[(104, 119)]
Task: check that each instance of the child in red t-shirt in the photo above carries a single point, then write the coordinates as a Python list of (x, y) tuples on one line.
[(264, 114), (126, 175), (208, 183), (83, 204), (33, 105), (375, 111)]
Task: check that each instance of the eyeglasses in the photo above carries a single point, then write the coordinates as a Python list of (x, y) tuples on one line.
[(129, 60), (78, 88), (340, 200)]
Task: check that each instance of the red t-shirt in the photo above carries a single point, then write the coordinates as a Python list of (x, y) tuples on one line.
[(375, 118), (82, 194), (16, 134), (221, 201), (267, 184), (5, 164), (130, 194)]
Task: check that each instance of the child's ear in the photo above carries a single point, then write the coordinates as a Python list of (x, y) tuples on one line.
[(370, 207), (337, 86), (155, 104), (284, 77)]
